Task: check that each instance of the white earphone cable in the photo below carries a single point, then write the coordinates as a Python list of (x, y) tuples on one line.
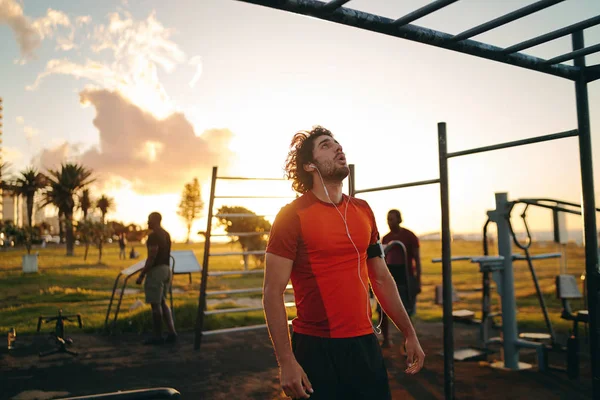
[(344, 219)]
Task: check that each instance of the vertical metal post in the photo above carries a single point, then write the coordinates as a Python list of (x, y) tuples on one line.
[(446, 265), (589, 215), (204, 277), (351, 184), (508, 300)]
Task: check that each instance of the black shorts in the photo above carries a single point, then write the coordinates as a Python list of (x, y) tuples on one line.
[(345, 368), (406, 288)]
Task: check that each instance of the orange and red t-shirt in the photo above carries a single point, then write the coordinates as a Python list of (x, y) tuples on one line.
[(332, 299)]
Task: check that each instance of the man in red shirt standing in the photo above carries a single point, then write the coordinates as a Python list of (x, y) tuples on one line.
[(404, 262), (328, 245)]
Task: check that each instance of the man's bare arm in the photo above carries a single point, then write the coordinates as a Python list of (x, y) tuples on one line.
[(294, 381), (277, 275), (386, 291)]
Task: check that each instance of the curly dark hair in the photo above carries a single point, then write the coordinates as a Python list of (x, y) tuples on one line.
[(301, 152)]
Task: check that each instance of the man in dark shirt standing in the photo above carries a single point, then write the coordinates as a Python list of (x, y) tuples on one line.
[(158, 279), (404, 267)]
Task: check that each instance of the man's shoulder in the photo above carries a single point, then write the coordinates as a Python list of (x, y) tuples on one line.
[(298, 203), (158, 234), (409, 232), (361, 204)]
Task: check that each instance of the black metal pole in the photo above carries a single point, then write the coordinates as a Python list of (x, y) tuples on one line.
[(446, 266), (204, 278), (589, 212)]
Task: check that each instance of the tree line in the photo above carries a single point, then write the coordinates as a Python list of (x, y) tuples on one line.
[(67, 189)]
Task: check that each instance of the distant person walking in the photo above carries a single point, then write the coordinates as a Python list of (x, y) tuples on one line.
[(122, 247)]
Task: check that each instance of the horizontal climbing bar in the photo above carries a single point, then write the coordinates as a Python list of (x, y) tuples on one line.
[(239, 253)]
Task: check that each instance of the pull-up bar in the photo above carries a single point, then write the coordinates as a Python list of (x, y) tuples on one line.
[(515, 143), (505, 19)]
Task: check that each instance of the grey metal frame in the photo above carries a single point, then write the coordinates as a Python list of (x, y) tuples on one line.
[(201, 312), (579, 73)]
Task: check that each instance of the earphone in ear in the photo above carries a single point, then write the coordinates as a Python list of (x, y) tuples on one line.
[(313, 166)]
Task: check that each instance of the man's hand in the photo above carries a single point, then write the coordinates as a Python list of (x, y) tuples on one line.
[(415, 356), (294, 381), (140, 279)]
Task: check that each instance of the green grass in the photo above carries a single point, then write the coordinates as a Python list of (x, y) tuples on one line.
[(84, 287)]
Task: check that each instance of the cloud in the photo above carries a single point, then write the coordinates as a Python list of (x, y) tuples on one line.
[(28, 38), (83, 20), (11, 155), (47, 25), (30, 132), (154, 155), (30, 34), (139, 49), (52, 158), (196, 61)]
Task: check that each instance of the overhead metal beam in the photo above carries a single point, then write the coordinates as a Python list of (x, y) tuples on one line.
[(505, 19), (574, 54), (423, 11), (383, 25), (335, 4), (592, 73), (567, 30)]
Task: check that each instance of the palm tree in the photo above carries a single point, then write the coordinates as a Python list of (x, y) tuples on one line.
[(85, 202), (63, 185), (27, 185), (104, 204)]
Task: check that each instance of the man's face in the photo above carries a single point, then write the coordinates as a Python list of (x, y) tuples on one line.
[(330, 159), (151, 222), (392, 220)]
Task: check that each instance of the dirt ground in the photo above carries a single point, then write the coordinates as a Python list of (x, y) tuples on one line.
[(242, 366)]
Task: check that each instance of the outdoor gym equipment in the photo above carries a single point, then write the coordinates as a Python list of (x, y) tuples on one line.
[(182, 262), (59, 333), (403, 27)]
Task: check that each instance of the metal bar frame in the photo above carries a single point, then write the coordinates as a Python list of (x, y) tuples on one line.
[(399, 186), (238, 215), (376, 23), (575, 54), (592, 279), (241, 234), (505, 19), (567, 30), (254, 197), (243, 309), (243, 178), (578, 73), (506, 145), (204, 293), (239, 253), (204, 276), (423, 11)]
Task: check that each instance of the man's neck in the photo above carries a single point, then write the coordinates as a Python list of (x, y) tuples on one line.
[(395, 229), (333, 194)]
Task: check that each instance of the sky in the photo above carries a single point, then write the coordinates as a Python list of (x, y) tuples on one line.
[(151, 94)]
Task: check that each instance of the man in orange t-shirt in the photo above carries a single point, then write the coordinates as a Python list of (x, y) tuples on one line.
[(328, 245)]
